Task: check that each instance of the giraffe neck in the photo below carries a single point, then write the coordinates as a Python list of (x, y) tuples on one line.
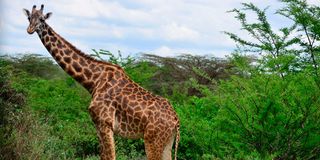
[(80, 66)]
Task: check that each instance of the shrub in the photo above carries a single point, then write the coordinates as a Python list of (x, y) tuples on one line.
[(270, 115)]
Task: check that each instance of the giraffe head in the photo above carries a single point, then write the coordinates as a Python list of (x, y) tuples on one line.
[(36, 18)]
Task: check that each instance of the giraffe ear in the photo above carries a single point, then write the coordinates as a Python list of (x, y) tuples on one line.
[(48, 15), (26, 12)]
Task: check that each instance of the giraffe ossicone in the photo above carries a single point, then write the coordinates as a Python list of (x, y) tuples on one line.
[(119, 105)]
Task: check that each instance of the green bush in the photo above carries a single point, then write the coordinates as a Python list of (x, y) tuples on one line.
[(197, 133), (270, 116), (21, 135)]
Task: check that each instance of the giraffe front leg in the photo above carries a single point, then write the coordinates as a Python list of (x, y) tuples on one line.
[(106, 141), (103, 119)]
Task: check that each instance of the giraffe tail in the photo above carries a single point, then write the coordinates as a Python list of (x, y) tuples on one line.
[(177, 141)]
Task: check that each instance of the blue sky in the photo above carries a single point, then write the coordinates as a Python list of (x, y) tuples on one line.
[(166, 27)]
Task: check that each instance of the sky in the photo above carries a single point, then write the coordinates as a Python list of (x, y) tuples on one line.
[(165, 28)]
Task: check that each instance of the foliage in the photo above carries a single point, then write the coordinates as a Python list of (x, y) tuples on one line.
[(306, 18), (21, 136), (270, 115), (35, 65), (198, 137), (291, 49), (114, 59), (141, 72), (175, 72), (274, 110), (275, 49)]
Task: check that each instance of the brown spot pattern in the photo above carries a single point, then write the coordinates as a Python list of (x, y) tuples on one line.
[(76, 66)]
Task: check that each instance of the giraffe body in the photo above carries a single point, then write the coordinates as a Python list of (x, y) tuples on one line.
[(118, 106)]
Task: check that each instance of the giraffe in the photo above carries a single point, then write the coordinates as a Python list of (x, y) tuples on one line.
[(118, 105)]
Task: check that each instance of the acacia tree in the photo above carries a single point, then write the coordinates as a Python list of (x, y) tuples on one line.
[(306, 18), (273, 113), (291, 49), (275, 48)]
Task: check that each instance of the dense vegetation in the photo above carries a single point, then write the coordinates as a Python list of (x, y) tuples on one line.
[(263, 102)]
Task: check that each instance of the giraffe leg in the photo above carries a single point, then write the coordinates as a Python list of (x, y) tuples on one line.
[(166, 155), (158, 144), (152, 143), (107, 146), (153, 149), (104, 120)]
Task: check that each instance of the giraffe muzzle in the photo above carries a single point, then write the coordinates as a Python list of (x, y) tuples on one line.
[(30, 30)]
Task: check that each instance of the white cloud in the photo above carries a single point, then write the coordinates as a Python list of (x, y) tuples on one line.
[(173, 31), (314, 2), (164, 51), (188, 25), (100, 9), (171, 51), (90, 29)]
